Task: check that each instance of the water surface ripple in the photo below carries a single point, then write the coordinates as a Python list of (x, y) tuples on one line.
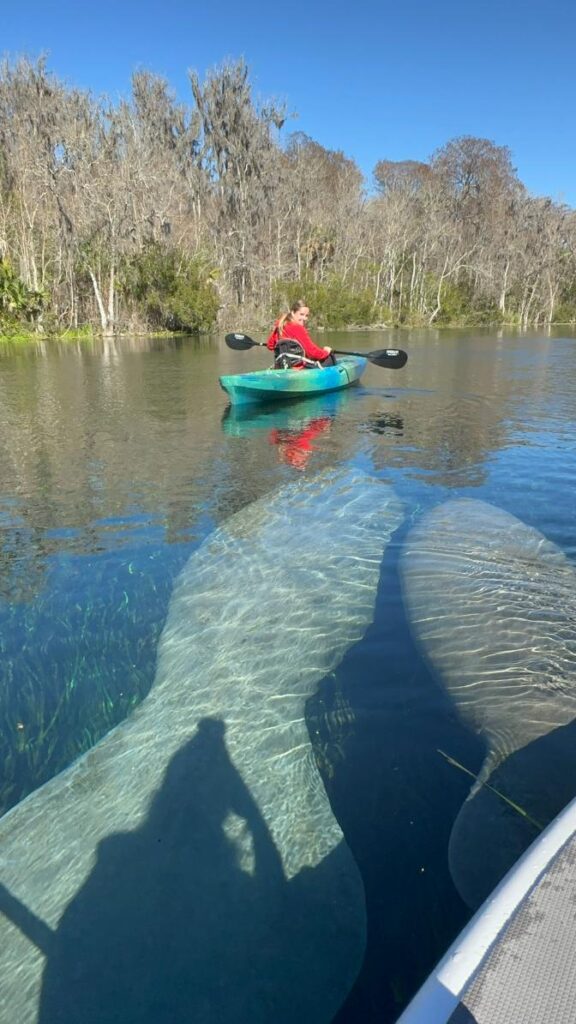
[(118, 458)]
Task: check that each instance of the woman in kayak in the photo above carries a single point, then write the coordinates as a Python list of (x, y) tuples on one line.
[(292, 325)]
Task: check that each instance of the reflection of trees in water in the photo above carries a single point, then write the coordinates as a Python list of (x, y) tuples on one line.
[(173, 924), (88, 435), (462, 394), (91, 431)]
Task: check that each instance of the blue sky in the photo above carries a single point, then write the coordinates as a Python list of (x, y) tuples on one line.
[(378, 80)]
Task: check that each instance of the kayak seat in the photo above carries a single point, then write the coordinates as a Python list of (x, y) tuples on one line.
[(289, 354)]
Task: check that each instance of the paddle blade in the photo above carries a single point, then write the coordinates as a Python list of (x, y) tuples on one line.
[(391, 358), (240, 342)]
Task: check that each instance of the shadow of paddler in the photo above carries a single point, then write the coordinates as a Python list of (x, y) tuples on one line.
[(36, 930), (190, 917), (177, 920)]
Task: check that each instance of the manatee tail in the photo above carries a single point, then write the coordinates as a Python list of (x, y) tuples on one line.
[(505, 812)]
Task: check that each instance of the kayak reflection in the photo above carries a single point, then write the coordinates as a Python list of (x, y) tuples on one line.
[(293, 427)]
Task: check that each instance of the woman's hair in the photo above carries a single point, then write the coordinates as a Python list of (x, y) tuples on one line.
[(299, 304)]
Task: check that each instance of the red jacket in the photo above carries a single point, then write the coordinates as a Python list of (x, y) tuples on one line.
[(298, 333)]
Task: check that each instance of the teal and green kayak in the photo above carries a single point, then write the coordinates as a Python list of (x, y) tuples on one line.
[(270, 385)]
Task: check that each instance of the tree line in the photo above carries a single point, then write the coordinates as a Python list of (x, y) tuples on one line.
[(150, 214)]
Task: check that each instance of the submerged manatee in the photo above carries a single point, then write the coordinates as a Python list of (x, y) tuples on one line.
[(493, 604), (189, 866)]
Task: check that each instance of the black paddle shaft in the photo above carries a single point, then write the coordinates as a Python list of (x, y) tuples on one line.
[(389, 358)]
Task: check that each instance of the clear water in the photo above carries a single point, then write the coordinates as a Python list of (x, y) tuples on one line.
[(117, 459)]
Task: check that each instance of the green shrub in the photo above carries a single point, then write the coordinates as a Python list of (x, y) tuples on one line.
[(19, 305), (565, 313), (333, 303), (170, 290), (461, 305)]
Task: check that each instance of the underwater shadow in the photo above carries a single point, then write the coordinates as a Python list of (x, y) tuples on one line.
[(35, 930), (396, 799), (189, 917)]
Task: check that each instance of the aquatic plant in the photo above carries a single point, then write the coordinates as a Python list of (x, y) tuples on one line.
[(71, 671)]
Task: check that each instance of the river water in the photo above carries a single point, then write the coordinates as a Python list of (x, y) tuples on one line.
[(118, 458)]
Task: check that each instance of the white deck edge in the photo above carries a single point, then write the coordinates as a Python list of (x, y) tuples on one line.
[(440, 994)]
